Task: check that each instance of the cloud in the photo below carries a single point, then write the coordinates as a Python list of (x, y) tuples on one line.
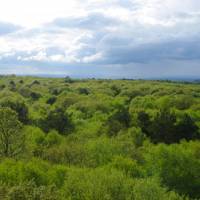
[(6, 28), (92, 21), (131, 35), (119, 51)]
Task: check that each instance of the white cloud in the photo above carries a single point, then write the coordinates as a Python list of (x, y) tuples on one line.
[(35, 12)]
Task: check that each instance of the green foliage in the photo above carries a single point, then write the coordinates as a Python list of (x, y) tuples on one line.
[(84, 91), (68, 80), (128, 166), (53, 138), (165, 127), (99, 139), (35, 96), (18, 106), (99, 184), (100, 151), (177, 165), (51, 100), (29, 191), (187, 129), (36, 179), (59, 120), (11, 136), (150, 189), (137, 135), (118, 120)]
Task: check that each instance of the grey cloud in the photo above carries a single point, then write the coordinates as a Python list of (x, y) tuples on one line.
[(152, 69), (124, 53), (91, 22)]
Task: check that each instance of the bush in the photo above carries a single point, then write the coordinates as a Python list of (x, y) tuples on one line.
[(12, 139), (58, 120), (51, 100), (83, 91), (99, 184), (150, 189), (35, 96), (18, 106), (128, 166), (167, 128), (118, 120), (178, 166), (29, 191), (53, 138)]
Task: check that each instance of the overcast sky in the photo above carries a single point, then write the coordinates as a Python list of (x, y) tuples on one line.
[(100, 38)]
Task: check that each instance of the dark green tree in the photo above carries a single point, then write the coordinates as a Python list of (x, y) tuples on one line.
[(144, 121), (163, 128), (18, 106), (118, 120), (68, 79), (35, 96), (51, 100), (58, 120), (187, 129), (83, 91)]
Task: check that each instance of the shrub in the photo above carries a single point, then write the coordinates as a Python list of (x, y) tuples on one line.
[(58, 120), (177, 165), (18, 106), (12, 139)]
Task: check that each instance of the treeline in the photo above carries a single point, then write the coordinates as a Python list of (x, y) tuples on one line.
[(99, 139)]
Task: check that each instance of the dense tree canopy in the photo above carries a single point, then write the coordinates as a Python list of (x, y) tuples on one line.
[(67, 139)]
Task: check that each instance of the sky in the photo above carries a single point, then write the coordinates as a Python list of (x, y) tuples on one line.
[(100, 38)]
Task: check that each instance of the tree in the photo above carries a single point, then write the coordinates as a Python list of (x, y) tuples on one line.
[(137, 135), (58, 120), (118, 120), (35, 96), (51, 100), (18, 106), (143, 121), (163, 128), (187, 129), (11, 137), (12, 85), (177, 165), (83, 91), (166, 128), (68, 80)]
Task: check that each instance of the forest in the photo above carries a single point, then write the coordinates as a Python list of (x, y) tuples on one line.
[(96, 139)]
